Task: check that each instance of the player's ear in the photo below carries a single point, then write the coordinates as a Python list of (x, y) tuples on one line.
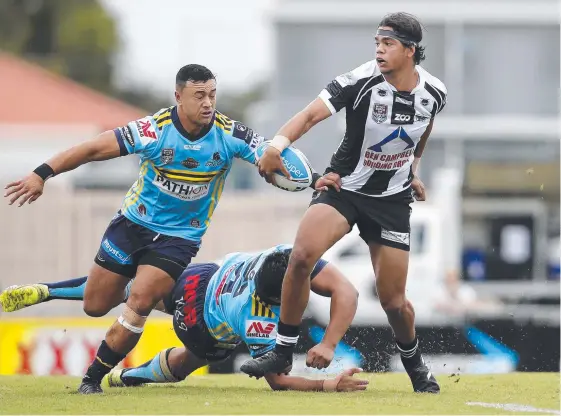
[(177, 97), (411, 51)]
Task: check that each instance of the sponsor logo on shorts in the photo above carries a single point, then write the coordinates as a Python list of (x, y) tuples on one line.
[(401, 238), (179, 190), (260, 329), (115, 252)]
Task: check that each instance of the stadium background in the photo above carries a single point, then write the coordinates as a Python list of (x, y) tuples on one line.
[(484, 273)]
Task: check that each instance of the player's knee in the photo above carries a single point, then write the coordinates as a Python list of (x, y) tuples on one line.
[(394, 305), (142, 304), (95, 309), (302, 262)]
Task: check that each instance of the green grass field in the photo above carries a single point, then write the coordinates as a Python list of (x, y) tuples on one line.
[(236, 394)]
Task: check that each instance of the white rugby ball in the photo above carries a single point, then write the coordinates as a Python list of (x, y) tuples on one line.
[(297, 165)]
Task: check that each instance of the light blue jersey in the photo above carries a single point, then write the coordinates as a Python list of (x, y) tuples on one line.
[(181, 178), (233, 312)]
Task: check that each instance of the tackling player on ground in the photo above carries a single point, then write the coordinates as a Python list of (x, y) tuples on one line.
[(390, 104), (186, 152), (216, 308)]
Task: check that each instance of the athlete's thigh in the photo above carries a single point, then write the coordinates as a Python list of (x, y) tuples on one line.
[(104, 288), (390, 268), (150, 285), (325, 222)]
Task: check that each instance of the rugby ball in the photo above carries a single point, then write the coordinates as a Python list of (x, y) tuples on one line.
[(297, 165)]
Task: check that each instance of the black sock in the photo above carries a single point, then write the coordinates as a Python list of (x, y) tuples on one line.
[(287, 338), (102, 364), (408, 351)]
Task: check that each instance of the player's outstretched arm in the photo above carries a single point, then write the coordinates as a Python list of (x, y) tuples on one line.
[(103, 147), (294, 128), (344, 382), (344, 300)]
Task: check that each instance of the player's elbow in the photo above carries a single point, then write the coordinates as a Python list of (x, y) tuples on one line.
[(276, 382), (278, 387)]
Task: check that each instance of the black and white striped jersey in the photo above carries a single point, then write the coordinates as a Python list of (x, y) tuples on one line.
[(383, 127)]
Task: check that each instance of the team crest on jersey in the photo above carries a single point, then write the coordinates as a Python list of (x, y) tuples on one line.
[(215, 162), (424, 102), (382, 92), (190, 163), (380, 113), (167, 156)]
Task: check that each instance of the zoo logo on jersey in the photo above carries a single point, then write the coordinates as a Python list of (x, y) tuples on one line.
[(180, 190)]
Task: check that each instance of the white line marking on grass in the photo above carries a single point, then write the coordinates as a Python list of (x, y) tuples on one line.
[(511, 407)]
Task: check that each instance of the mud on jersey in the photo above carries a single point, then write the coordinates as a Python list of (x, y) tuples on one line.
[(383, 127), (181, 180)]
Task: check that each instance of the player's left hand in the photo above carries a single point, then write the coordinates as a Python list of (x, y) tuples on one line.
[(331, 179), (320, 356), (345, 382), (419, 189)]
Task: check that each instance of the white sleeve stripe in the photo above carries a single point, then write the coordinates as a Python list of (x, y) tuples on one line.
[(325, 96)]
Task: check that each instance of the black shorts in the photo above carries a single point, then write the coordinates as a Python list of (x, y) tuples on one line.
[(126, 245), (187, 304), (381, 220)]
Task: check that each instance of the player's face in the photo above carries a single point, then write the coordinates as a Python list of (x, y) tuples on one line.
[(198, 101), (391, 54)]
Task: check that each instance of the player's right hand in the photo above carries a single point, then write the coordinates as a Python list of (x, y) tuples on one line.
[(345, 382), (271, 162), (330, 179), (26, 190)]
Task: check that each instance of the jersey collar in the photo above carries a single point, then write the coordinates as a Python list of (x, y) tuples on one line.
[(184, 133)]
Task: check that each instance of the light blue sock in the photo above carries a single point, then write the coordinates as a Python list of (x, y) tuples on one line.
[(68, 289), (154, 371)]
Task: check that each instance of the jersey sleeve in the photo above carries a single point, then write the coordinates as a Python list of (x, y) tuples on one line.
[(138, 137), (245, 140), (438, 90), (343, 89)]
